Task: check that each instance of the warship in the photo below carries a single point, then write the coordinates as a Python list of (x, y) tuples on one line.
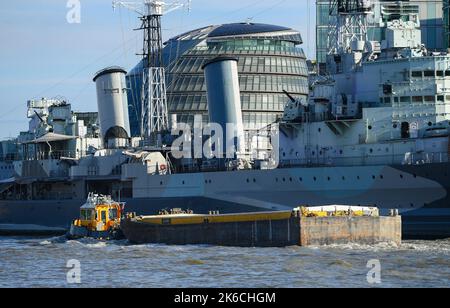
[(373, 132)]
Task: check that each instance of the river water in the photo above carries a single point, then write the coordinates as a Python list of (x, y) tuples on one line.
[(43, 262)]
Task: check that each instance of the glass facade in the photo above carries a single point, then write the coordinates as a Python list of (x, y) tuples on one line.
[(430, 14), (446, 13), (269, 62)]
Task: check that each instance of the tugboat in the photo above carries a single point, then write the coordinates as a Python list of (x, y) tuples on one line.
[(100, 218)]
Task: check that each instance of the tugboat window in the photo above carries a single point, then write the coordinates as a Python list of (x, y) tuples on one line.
[(87, 214), (113, 214), (103, 215)]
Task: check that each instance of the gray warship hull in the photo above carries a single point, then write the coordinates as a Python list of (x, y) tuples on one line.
[(419, 192)]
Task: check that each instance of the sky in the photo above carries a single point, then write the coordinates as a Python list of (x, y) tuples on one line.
[(43, 55)]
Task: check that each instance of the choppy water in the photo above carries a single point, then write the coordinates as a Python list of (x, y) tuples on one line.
[(39, 262)]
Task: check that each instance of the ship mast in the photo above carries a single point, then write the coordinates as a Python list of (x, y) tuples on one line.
[(154, 110), (348, 24)]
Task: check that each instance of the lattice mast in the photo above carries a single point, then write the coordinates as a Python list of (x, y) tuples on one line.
[(154, 116), (348, 23)]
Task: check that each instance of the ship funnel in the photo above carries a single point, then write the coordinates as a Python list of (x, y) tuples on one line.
[(113, 107), (224, 102)]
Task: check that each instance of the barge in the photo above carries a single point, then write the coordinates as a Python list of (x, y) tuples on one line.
[(301, 226)]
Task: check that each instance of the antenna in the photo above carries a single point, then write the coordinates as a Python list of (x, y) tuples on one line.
[(348, 23), (154, 117)]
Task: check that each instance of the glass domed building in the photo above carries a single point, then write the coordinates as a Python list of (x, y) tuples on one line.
[(270, 61)]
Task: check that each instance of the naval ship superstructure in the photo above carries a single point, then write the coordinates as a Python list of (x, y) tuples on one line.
[(375, 131)]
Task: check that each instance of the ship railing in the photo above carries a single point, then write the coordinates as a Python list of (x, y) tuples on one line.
[(23, 196), (53, 196), (10, 157), (378, 160), (57, 155)]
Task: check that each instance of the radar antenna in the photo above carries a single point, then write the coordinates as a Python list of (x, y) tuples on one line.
[(154, 117)]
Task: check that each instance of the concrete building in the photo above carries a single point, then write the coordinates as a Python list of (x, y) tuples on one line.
[(430, 13), (270, 61)]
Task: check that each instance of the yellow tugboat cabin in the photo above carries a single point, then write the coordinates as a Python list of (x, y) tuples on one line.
[(100, 214)]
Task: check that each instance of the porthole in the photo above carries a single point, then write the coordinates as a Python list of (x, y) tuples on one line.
[(320, 130), (401, 176), (254, 180), (161, 183), (358, 177), (300, 179), (184, 182), (343, 178), (430, 124), (290, 179), (381, 177), (248, 180), (329, 179), (374, 177), (315, 179), (370, 127)]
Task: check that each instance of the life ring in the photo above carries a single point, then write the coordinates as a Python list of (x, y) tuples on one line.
[(163, 167)]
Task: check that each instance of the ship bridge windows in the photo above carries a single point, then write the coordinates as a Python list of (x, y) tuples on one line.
[(447, 73), (430, 99), (440, 73), (416, 74), (440, 98), (429, 73), (417, 99), (405, 99)]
